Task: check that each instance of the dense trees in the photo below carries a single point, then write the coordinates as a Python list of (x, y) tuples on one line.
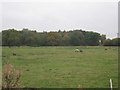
[(92, 38), (53, 38), (77, 38), (113, 42), (12, 37)]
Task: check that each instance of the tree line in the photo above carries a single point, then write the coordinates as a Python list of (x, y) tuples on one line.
[(26, 37), (112, 42)]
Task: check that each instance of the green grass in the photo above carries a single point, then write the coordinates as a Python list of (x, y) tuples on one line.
[(61, 67)]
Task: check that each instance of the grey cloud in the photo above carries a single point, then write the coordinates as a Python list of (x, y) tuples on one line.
[(100, 17)]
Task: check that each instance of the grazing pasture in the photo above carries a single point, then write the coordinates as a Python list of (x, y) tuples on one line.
[(62, 67)]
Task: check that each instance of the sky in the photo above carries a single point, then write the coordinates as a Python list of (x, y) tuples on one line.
[(97, 16)]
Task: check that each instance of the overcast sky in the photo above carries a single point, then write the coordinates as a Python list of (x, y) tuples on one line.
[(100, 17)]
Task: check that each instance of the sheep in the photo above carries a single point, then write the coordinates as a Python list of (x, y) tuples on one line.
[(81, 50), (77, 50), (14, 54), (27, 70), (106, 49)]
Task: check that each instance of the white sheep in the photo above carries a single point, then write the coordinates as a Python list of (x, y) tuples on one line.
[(77, 50)]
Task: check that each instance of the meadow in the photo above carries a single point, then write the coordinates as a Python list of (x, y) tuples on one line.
[(61, 67)]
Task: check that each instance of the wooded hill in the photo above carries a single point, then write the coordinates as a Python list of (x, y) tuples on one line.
[(26, 37)]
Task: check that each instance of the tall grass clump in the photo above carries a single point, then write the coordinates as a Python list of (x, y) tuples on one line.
[(11, 77)]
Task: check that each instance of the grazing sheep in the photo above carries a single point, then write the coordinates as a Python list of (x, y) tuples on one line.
[(14, 54), (106, 49), (27, 70), (77, 50), (81, 50), (50, 69)]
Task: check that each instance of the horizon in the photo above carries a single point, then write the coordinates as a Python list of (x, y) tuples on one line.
[(57, 31)]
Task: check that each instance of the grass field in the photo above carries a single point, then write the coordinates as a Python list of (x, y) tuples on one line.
[(61, 67)]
